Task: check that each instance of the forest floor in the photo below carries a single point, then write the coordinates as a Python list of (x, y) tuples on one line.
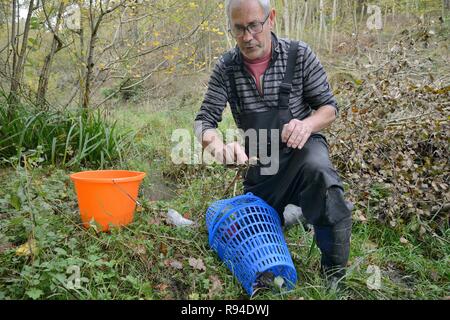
[(152, 259)]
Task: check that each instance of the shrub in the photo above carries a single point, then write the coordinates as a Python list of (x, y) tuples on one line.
[(63, 138)]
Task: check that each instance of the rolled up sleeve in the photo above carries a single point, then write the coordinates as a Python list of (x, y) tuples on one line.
[(316, 88), (214, 102)]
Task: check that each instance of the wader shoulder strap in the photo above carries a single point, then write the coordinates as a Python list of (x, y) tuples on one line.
[(230, 69), (286, 85)]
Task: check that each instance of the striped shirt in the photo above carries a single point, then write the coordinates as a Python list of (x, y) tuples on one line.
[(310, 87)]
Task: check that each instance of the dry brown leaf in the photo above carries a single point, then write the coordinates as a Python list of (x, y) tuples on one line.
[(163, 248), (176, 264), (197, 264), (362, 218), (139, 249), (161, 287), (216, 286), (154, 220)]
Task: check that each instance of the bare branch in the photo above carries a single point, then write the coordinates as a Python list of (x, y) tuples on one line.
[(121, 88)]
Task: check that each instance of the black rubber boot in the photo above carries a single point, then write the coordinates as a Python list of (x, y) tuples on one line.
[(334, 243), (334, 240)]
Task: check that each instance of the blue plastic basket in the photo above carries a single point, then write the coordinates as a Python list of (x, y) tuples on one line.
[(246, 233)]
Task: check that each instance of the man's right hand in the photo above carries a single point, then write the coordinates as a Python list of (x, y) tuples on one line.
[(234, 153), (231, 153)]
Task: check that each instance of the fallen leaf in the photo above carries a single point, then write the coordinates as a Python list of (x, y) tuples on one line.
[(359, 216), (27, 249), (176, 264), (139, 250), (403, 240), (362, 218), (197, 264), (216, 287), (154, 221), (422, 230), (163, 248), (161, 287)]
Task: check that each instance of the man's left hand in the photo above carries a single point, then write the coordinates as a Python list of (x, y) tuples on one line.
[(296, 133)]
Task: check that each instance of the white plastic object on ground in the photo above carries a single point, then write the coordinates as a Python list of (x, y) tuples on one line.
[(293, 215), (177, 219)]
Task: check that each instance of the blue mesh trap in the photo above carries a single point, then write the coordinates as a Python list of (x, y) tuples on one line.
[(246, 233)]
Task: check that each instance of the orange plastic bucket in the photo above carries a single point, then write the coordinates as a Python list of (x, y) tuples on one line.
[(107, 197)]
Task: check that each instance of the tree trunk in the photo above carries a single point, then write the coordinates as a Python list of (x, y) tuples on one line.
[(90, 59), (286, 18), (386, 10), (299, 22), (12, 94), (333, 23), (13, 36), (321, 22), (94, 26), (305, 17), (82, 59), (229, 42), (393, 12), (23, 48), (362, 12), (355, 21), (56, 46)]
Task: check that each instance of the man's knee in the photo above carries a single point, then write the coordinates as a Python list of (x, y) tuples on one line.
[(316, 162), (320, 172)]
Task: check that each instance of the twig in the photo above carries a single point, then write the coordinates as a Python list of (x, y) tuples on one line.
[(239, 171), (241, 167), (395, 121)]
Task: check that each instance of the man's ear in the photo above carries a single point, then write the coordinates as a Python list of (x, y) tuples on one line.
[(272, 15)]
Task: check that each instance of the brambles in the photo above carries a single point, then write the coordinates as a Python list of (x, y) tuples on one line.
[(391, 144)]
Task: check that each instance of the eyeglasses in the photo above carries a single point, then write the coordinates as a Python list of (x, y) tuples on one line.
[(253, 28)]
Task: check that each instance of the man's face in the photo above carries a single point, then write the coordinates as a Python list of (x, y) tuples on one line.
[(250, 12)]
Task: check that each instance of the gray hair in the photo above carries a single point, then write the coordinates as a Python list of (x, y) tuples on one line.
[(265, 4)]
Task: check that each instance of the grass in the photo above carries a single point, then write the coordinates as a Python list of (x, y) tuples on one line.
[(136, 262), (63, 138)]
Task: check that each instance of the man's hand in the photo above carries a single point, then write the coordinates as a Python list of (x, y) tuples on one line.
[(296, 133), (234, 153)]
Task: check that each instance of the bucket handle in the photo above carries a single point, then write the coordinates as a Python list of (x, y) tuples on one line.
[(126, 193)]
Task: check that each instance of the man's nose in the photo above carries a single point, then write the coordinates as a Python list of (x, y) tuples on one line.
[(247, 36)]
